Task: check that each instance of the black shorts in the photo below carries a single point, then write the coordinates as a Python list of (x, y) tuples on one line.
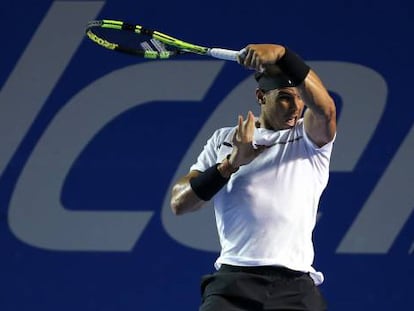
[(234, 288)]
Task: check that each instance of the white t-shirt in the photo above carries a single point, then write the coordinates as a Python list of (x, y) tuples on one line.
[(266, 213)]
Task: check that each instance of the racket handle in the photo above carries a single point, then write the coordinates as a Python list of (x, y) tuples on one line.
[(225, 54)]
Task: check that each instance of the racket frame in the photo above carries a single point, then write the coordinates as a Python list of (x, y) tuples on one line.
[(182, 46)]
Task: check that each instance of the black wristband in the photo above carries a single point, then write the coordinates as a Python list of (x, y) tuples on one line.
[(208, 183), (293, 66)]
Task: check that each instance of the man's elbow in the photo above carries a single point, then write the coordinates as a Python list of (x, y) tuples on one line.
[(330, 112), (180, 201), (176, 207), (183, 199), (175, 202), (181, 204)]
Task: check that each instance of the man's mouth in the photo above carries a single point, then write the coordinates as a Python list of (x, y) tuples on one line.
[(291, 121)]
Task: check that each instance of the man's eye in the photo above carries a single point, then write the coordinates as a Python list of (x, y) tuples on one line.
[(285, 96)]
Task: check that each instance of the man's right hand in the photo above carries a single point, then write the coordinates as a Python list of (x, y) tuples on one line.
[(262, 56)]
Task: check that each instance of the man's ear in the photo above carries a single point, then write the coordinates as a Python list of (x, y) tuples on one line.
[(260, 96)]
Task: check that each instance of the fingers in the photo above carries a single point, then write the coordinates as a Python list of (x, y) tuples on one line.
[(260, 56), (252, 59), (245, 128), (243, 124), (243, 150), (239, 131), (250, 118), (250, 125), (240, 123), (242, 55)]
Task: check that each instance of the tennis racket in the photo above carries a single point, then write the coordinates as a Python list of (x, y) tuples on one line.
[(148, 43)]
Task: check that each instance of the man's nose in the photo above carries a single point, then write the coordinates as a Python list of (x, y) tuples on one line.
[(293, 105)]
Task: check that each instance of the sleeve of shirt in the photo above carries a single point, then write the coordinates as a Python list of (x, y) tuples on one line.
[(208, 156), (325, 149), (319, 156)]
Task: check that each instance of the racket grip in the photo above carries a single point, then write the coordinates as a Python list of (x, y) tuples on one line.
[(225, 54)]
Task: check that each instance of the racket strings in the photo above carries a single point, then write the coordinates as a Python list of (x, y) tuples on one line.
[(138, 40), (153, 45)]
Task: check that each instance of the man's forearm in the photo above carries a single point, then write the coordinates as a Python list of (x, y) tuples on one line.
[(316, 97), (183, 198)]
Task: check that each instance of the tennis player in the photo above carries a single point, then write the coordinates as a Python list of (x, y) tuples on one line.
[(266, 176)]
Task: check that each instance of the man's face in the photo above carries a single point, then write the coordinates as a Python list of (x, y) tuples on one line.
[(281, 108)]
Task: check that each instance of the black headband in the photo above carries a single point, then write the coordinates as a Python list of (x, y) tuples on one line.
[(270, 82)]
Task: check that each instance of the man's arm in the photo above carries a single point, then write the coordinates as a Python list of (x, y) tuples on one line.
[(320, 118), (184, 196)]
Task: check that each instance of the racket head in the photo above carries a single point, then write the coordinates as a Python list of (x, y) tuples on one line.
[(137, 40)]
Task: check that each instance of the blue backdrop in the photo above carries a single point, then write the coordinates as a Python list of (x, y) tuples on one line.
[(91, 142)]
